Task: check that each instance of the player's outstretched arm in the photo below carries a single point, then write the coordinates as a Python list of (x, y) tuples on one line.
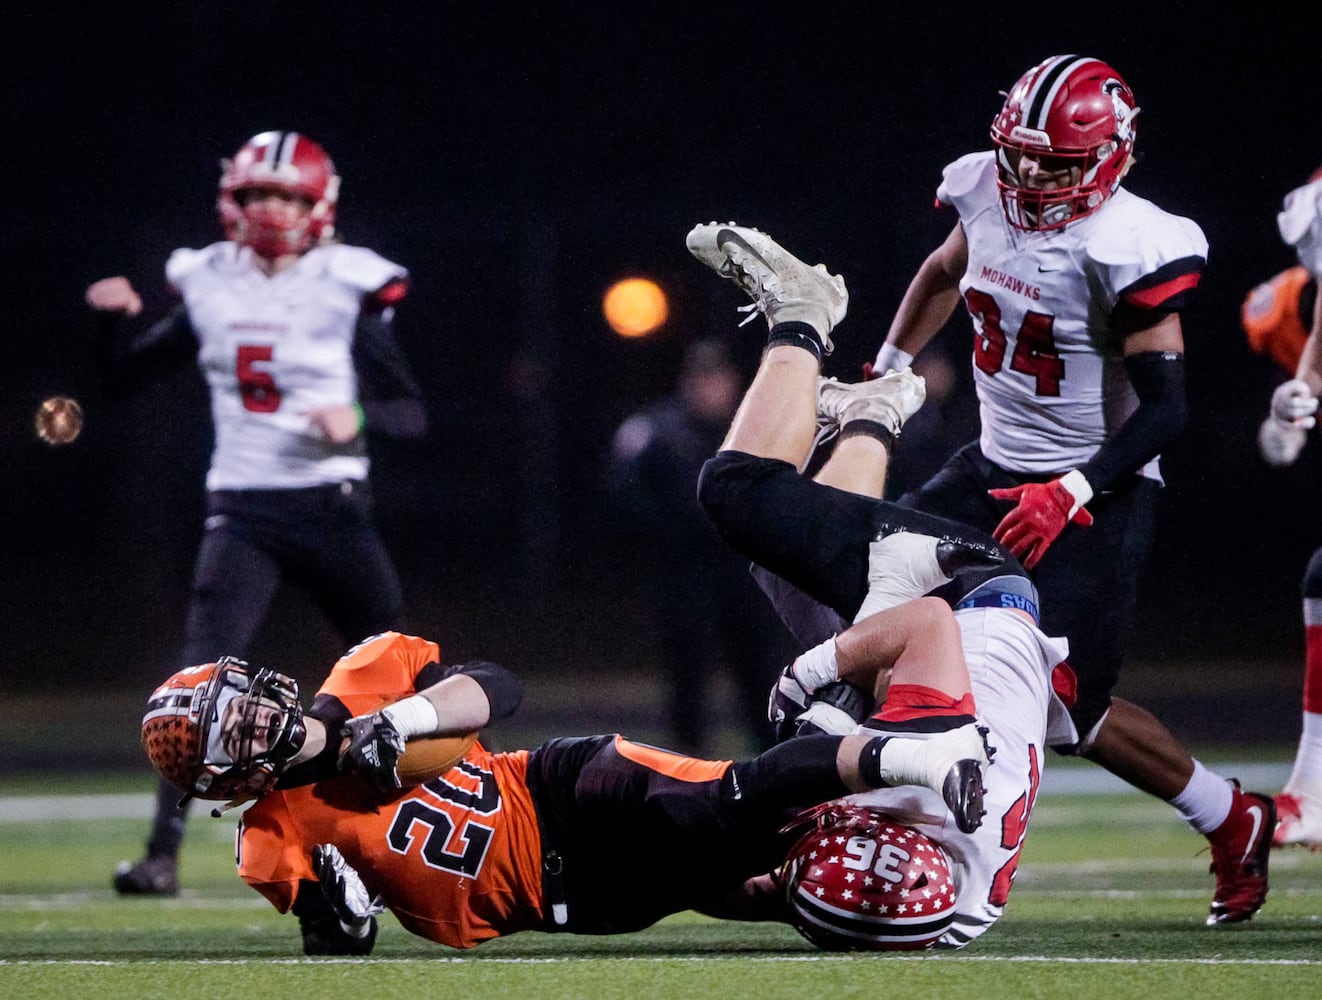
[(461, 703)]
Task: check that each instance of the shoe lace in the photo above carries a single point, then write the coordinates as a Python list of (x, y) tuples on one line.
[(753, 308)]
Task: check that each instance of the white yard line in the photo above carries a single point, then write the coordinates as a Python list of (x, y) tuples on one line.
[(1072, 780)]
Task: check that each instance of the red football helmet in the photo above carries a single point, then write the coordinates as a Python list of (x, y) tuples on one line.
[(858, 880), (184, 734), (1073, 112), (290, 163)]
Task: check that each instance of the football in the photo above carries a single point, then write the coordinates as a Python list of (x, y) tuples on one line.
[(59, 420), (427, 757)]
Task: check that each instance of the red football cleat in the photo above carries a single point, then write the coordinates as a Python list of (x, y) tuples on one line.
[(1240, 848)]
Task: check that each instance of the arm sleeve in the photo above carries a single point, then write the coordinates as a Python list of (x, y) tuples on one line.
[(504, 691), (129, 361), (1158, 379), (387, 391)]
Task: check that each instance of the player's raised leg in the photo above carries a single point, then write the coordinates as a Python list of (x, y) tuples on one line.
[(778, 415)]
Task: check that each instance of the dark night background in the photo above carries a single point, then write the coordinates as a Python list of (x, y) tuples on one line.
[(519, 160)]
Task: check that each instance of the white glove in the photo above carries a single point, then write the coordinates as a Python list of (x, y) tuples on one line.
[(1293, 404), (1280, 443)]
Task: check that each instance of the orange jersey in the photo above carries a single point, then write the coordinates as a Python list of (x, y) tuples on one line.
[(1273, 320), (457, 859)]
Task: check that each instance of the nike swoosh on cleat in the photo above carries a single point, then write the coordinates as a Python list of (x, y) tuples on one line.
[(725, 236), (1256, 813)]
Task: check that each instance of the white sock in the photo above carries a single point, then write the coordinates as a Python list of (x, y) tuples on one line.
[(1306, 776), (926, 761), (817, 668), (1206, 800), (414, 716)]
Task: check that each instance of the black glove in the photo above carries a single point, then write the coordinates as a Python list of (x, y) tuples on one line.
[(322, 934), (374, 749), (345, 892)]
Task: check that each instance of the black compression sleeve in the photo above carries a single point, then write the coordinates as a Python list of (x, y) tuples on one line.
[(388, 393), (128, 361), (1158, 379)]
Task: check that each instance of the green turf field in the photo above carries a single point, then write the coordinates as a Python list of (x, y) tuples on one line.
[(1109, 903)]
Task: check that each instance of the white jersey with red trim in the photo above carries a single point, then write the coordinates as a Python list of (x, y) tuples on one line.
[(1047, 357), (1300, 223), (272, 349), (1011, 663)]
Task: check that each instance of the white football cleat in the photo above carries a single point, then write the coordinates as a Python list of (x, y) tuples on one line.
[(781, 286), (889, 400), (1298, 821)]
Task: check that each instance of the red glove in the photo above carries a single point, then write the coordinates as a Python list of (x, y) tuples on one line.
[(869, 373), (1040, 514)]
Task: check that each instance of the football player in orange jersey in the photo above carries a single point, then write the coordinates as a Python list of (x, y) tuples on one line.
[(542, 839)]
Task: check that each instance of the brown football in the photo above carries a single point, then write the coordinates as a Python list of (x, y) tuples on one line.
[(426, 757)]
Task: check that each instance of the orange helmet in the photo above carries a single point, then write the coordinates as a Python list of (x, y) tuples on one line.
[(184, 732)]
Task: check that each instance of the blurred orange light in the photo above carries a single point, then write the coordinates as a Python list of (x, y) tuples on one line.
[(635, 307)]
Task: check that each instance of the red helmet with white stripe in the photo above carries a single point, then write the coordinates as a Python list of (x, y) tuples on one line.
[(1072, 117), (860, 881), (292, 164)]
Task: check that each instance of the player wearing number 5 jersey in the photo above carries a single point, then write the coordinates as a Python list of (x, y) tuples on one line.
[(293, 332), (1075, 287)]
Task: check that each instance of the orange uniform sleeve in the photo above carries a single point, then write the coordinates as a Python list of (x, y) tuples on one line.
[(1270, 317), (270, 853), (379, 670)]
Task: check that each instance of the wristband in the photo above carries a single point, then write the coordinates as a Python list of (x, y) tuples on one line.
[(414, 716), (362, 417), (1076, 483), (891, 359)]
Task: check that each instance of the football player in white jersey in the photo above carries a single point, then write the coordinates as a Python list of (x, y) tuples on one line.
[(294, 334), (1075, 287), (839, 544), (1281, 437)]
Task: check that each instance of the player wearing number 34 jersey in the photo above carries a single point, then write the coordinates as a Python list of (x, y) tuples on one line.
[(1076, 289), (1048, 313)]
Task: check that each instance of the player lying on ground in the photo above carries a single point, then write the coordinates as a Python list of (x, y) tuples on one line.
[(853, 552), (487, 844)]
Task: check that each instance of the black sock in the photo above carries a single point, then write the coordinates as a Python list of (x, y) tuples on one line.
[(796, 334), (869, 428)]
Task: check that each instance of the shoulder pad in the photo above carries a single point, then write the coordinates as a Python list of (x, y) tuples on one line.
[(185, 261), (1133, 233), (963, 177), (1300, 214), (363, 269)]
